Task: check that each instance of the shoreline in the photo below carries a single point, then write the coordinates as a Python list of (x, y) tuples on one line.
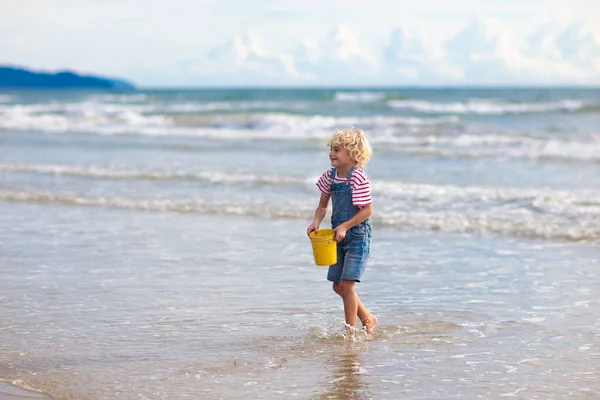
[(8, 391)]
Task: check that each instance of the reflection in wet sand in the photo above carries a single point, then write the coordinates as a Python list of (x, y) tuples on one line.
[(346, 371)]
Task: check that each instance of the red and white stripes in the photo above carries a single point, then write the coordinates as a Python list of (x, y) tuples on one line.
[(359, 183)]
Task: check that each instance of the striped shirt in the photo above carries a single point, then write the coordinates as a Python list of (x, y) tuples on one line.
[(359, 183)]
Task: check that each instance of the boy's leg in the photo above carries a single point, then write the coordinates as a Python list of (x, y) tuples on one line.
[(363, 314), (353, 307), (355, 257)]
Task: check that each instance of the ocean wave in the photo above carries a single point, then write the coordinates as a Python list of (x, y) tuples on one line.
[(121, 118), (119, 98), (158, 205), (430, 136), (572, 203), (306, 123), (360, 97), (436, 136), (83, 108), (531, 225), (485, 224), (84, 120), (113, 104), (491, 145), (397, 194), (525, 212), (130, 174), (162, 104), (488, 107), (236, 106)]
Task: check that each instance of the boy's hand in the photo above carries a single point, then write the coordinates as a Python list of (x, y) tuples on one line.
[(312, 228), (340, 233)]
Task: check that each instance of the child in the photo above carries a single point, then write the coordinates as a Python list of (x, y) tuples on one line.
[(348, 186)]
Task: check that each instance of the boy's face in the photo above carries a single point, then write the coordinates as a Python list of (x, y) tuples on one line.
[(340, 157)]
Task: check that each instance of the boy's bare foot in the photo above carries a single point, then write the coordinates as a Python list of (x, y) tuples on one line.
[(370, 327)]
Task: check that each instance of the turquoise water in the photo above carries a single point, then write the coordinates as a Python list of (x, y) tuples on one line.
[(152, 244)]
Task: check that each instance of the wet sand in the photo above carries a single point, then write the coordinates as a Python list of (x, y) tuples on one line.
[(11, 392)]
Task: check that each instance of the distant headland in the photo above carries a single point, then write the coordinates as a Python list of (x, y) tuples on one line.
[(21, 78)]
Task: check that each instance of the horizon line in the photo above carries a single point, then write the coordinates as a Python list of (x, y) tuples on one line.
[(378, 87), (579, 86)]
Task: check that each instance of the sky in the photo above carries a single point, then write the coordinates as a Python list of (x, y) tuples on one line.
[(308, 43)]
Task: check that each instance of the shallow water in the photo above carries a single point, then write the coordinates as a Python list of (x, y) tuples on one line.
[(153, 246), (106, 304)]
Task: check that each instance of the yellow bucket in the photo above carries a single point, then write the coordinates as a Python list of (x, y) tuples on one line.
[(324, 247)]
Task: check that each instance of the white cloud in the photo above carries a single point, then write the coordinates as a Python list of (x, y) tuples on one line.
[(484, 52), (408, 58), (323, 43), (489, 53), (343, 45), (574, 43), (339, 58), (242, 60)]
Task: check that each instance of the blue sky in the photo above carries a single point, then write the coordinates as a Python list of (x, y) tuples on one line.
[(326, 42)]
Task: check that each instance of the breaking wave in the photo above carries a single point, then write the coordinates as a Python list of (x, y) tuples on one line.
[(130, 174), (360, 97), (488, 107), (539, 214), (141, 119), (491, 145)]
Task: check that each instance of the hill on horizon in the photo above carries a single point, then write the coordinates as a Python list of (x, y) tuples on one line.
[(20, 78)]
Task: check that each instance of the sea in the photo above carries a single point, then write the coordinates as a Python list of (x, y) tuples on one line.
[(153, 244)]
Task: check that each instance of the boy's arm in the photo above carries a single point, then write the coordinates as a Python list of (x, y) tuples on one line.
[(320, 213)]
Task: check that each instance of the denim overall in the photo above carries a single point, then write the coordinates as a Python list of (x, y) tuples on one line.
[(353, 251)]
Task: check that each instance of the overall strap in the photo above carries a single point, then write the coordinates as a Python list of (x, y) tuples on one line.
[(350, 173), (332, 175)]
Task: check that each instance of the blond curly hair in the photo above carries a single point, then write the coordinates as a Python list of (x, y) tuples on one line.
[(355, 141)]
